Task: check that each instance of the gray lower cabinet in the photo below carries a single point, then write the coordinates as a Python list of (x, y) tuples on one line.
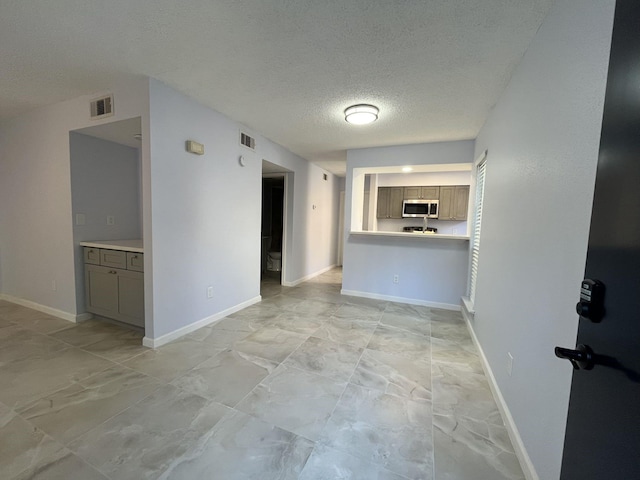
[(454, 202), (116, 293)]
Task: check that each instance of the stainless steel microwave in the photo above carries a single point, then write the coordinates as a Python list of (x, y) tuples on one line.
[(420, 208)]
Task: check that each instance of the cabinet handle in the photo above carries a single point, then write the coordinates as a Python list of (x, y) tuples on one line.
[(112, 272)]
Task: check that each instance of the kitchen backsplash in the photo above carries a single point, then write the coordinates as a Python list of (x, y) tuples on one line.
[(444, 227)]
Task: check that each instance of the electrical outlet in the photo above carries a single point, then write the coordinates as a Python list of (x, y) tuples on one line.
[(209, 292), (509, 363), (81, 219), (396, 279), (111, 220)]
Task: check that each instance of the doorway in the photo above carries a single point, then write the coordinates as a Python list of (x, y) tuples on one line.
[(272, 227), (106, 195), (275, 183), (603, 425)]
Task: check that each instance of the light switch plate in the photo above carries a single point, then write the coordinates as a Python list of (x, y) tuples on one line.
[(81, 219)]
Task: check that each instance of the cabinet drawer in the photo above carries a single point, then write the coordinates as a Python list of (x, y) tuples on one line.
[(92, 255), (113, 258), (135, 261)]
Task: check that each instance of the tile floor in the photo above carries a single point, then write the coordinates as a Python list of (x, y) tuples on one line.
[(307, 385)]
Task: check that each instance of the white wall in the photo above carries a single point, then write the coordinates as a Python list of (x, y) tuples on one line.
[(105, 180), (206, 213), (35, 194), (430, 271), (543, 139)]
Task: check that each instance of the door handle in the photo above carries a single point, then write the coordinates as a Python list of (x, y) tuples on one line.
[(582, 358)]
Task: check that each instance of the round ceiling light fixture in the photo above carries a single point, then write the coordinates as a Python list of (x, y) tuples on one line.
[(361, 114)]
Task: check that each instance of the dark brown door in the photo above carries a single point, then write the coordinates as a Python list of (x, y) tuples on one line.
[(603, 428)]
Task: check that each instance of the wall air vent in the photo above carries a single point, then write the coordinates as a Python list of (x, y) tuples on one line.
[(247, 141), (102, 107)]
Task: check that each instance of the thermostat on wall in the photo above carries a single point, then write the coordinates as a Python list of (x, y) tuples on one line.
[(195, 147)]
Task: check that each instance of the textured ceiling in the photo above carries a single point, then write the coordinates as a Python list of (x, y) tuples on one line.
[(285, 68)]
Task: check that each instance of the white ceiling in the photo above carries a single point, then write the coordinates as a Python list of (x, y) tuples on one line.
[(285, 68)]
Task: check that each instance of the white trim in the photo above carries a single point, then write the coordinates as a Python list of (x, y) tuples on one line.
[(520, 450), (467, 307), (171, 336), (308, 277), (284, 256), (410, 301), (70, 317)]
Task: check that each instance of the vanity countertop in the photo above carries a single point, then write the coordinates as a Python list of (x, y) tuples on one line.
[(123, 245)]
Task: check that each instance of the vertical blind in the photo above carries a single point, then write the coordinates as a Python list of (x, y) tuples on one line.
[(477, 223)]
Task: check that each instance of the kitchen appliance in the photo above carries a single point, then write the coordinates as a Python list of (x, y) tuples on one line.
[(420, 208), (419, 229)]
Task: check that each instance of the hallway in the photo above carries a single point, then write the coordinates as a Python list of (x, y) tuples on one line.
[(307, 385)]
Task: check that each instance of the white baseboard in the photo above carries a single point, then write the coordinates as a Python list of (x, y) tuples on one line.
[(54, 312), (521, 452), (410, 301), (181, 332), (308, 277)]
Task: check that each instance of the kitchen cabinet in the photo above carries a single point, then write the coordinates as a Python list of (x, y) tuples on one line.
[(390, 202), (454, 202), (421, 193), (114, 284)]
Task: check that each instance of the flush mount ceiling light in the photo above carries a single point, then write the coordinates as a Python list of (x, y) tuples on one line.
[(361, 114)]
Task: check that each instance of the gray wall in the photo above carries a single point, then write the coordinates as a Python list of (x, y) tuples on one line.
[(430, 271), (105, 180), (543, 140), (206, 213), (35, 194)]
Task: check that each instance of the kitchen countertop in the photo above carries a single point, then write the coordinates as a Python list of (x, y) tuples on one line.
[(420, 235), (123, 245)]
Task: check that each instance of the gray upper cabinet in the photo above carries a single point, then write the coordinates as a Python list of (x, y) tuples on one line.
[(421, 193), (390, 202), (454, 202)]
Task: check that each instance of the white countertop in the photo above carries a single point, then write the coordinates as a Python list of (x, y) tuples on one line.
[(422, 236), (123, 245)]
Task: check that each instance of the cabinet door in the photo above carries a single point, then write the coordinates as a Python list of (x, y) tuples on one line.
[(461, 203), (135, 261), (92, 255), (113, 258), (384, 194), (430, 193), (101, 285), (395, 202), (412, 193), (131, 297), (446, 202)]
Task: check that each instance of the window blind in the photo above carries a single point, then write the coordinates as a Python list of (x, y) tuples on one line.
[(477, 224)]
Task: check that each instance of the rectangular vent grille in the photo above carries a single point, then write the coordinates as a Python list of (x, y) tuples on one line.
[(247, 141), (102, 107)]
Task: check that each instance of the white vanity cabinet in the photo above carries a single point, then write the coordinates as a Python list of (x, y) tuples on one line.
[(114, 284)]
